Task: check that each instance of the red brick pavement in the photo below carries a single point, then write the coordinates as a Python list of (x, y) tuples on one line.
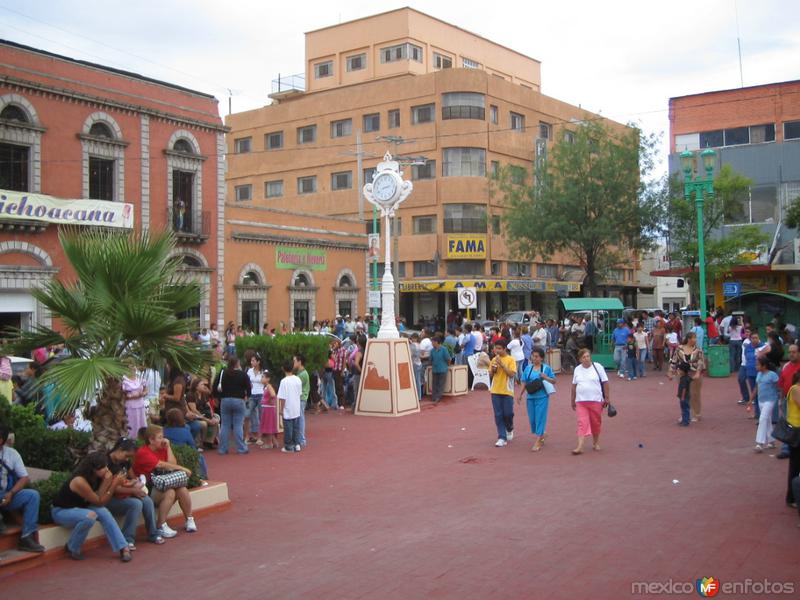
[(425, 507)]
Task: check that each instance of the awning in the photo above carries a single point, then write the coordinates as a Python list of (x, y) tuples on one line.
[(571, 304), (778, 294)]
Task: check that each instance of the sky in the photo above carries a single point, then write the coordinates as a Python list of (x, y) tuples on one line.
[(623, 59)]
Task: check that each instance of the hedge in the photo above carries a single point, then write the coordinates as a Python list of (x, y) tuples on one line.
[(190, 458), (48, 488), (276, 350)]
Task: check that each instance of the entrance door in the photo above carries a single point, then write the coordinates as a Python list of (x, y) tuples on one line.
[(193, 314), (301, 314), (250, 315)]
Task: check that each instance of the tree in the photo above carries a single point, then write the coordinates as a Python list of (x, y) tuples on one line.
[(120, 312), (792, 218), (591, 201), (723, 250)]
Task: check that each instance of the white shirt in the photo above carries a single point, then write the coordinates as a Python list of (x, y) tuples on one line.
[(724, 324), (256, 387), (589, 387), (425, 347), (515, 350), (214, 334), (540, 337), (672, 337), (290, 391), (641, 340), (478, 337)]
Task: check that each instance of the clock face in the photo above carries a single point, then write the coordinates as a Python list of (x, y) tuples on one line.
[(384, 187)]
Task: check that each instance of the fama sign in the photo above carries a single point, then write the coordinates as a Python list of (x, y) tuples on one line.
[(466, 246)]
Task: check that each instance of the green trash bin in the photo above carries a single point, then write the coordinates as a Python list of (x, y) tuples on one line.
[(718, 361)]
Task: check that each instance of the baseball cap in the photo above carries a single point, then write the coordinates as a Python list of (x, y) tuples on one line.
[(620, 320)]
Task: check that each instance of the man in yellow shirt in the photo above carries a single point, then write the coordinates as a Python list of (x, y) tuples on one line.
[(503, 369)]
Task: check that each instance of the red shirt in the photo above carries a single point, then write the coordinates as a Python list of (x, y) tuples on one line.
[(146, 460), (786, 376), (712, 327)]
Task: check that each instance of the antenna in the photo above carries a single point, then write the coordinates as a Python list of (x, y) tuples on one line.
[(738, 42)]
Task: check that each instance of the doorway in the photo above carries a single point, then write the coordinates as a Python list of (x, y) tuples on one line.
[(301, 314)]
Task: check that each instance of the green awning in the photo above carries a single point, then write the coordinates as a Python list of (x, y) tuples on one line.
[(748, 294), (571, 304)]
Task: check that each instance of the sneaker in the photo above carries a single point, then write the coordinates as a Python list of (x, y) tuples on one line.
[(191, 526), (509, 436), (742, 402), (166, 531), (131, 546), (297, 448), (631, 378), (29, 544), (500, 443), (622, 375), (158, 540), (771, 445), (758, 449), (285, 449)]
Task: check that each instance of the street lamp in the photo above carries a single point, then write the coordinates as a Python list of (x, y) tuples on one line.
[(700, 186)]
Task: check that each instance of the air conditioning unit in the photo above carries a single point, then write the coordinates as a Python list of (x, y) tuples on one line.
[(796, 245)]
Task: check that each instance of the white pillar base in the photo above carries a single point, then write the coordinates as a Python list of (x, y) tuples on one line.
[(387, 387)]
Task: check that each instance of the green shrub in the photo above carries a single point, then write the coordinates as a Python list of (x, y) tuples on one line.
[(23, 418), (47, 489), (53, 450), (275, 350), (190, 458)]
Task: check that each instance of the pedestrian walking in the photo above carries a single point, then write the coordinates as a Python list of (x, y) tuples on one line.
[(503, 370), (537, 400), (768, 395), (690, 353), (590, 394)]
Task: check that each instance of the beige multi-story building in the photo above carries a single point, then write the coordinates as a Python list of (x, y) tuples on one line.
[(460, 107)]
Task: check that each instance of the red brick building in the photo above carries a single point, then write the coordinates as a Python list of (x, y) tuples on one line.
[(71, 129)]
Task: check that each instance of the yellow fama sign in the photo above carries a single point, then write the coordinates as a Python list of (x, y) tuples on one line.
[(466, 246)]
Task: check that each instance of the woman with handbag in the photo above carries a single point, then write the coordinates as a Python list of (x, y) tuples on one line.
[(232, 388), (158, 464), (590, 394), (533, 379), (690, 352)]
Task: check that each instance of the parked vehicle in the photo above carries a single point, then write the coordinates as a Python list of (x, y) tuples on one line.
[(518, 317)]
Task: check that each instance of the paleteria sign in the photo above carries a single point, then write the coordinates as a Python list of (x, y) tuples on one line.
[(24, 206)]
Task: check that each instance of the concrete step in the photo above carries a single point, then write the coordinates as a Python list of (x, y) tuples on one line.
[(8, 541), (15, 557)]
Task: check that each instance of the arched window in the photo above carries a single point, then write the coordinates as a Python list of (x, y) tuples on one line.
[(301, 280), (345, 281), (182, 145), (191, 261), (251, 278), (11, 112), (101, 130)]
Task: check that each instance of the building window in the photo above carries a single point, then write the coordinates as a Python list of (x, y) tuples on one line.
[(342, 180), (273, 189), (737, 136), (401, 52), (468, 63), (307, 185), (712, 139), (182, 200), (356, 62), (495, 168), (569, 137), (341, 128), (394, 118), (244, 193), (101, 130), (616, 275), (323, 69), (424, 224), (242, 145), (517, 122), (422, 114), (426, 171), (440, 61), (762, 133), (14, 113), (464, 162), (101, 178), (493, 114), (372, 122), (545, 130), (547, 271), (519, 269), (397, 226), (464, 218), (463, 105), (183, 146), (495, 268), (496, 224), (401, 270), (14, 166), (791, 130), (466, 267), (273, 141), (369, 174), (307, 134), (424, 268)]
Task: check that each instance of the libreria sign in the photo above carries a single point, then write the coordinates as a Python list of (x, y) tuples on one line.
[(20, 206)]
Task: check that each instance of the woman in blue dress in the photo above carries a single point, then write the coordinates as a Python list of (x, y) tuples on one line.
[(539, 400)]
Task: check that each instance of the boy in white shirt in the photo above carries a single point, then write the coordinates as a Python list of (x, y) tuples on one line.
[(289, 394)]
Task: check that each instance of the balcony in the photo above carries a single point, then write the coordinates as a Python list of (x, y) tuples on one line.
[(286, 85), (188, 230)]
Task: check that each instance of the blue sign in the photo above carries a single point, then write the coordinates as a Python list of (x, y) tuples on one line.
[(731, 289)]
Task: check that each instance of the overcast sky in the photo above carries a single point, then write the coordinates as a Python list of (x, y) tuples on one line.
[(624, 59)]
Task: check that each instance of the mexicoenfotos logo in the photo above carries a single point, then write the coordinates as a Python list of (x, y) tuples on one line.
[(707, 587)]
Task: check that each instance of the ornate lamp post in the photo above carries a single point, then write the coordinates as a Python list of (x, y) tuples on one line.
[(700, 186)]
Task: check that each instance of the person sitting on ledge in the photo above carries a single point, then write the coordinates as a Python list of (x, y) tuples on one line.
[(157, 454), (81, 502), (13, 479), (179, 434)]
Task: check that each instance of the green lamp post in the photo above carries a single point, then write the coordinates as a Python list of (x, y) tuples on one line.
[(699, 186)]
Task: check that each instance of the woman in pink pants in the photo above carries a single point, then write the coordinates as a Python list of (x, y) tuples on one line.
[(588, 381)]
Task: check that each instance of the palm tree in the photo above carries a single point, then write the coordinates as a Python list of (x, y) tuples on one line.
[(120, 311)]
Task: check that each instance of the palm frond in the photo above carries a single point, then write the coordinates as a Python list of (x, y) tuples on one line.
[(77, 380), (24, 342)]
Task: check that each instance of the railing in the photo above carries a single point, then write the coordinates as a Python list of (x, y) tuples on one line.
[(284, 83), (188, 225)]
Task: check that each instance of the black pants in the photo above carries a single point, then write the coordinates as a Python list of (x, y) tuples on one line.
[(794, 471), (338, 383)]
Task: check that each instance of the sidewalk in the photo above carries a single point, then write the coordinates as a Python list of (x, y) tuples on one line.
[(425, 506)]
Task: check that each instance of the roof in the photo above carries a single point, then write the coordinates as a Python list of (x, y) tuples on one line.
[(592, 304), (747, 294), (738, 89)]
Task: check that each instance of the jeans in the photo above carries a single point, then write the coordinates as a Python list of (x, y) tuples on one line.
[(301, 424), (439, 381), (735, 354), (131, 507), (232, 412), (503, 407), (80, 522), (27, 501), (195, 428), (619, 358), (418, 380), (537, 413), (253, 411), (685, 413), (631, 367), (743, 389), (640, 363), (290, 430), (329, 389)]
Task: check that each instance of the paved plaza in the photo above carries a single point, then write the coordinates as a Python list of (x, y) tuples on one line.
[(425, 506)]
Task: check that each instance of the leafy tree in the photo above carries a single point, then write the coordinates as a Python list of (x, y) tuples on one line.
[(592, 201), (723, 249), (120, 312), (792, 218)]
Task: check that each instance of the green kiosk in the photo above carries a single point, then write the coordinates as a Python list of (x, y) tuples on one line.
[(604, 312)]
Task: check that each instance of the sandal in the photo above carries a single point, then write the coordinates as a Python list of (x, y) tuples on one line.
[(536, 447), (125, 555), (576, 452), (542, 439)]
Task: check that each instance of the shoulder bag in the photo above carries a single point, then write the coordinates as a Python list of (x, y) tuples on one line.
[(167, 480), (783, 430), (534, 385)]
